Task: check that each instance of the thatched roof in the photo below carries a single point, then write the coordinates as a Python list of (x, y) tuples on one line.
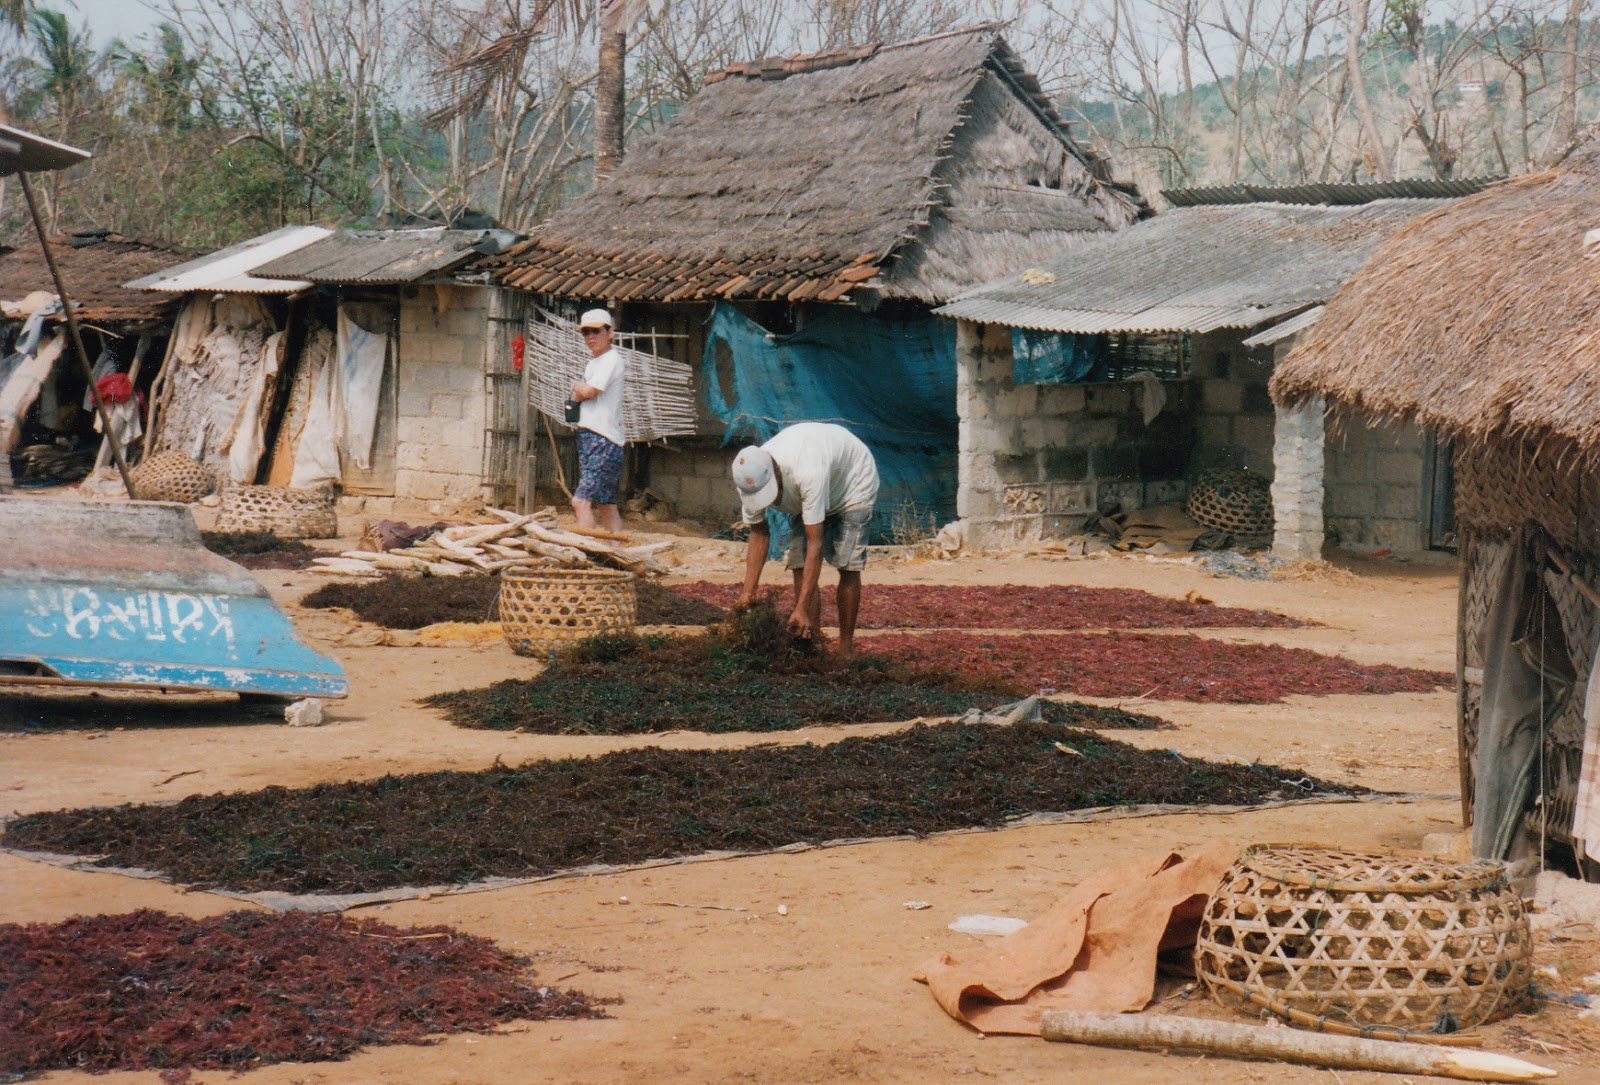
[(94, 266), (1480, 320), (916, 169)]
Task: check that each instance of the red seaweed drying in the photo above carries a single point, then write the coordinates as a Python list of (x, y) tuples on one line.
[(1016, 606), (260, 549), (148, 990), (400, 601), (633, 805), (1160, 667)]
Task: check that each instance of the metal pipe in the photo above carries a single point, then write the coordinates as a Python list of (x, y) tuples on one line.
[(77, 338)]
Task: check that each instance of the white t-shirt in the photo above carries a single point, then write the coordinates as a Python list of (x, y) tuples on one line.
[(825, 470), (603, 413)]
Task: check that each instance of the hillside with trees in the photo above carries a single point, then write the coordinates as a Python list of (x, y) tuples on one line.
[(230, 119)]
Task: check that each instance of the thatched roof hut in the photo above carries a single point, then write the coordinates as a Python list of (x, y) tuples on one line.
[(1480, 320), (94, 265), (914, 170)]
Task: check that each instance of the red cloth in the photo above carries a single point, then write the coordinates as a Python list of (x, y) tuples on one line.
[(115, 388), (518, 345)]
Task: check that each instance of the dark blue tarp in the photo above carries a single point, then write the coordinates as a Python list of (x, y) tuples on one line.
[(891, 382), (1055, 357)]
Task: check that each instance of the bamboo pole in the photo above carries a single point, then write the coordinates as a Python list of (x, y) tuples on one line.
[(1284, 1044), (76, 336)]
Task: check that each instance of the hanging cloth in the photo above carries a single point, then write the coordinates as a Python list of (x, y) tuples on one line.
[(363, 352), (1527, 678), (316, 455)]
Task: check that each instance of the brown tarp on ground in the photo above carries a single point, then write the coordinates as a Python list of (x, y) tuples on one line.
[(1095, 949)]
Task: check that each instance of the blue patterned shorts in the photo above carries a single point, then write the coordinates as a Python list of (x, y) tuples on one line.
[(599, 469)]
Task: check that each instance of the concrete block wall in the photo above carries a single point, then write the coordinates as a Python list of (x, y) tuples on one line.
[(1235, 421), (1037, 459), (442, 401), (696, 475), (1375, 482)]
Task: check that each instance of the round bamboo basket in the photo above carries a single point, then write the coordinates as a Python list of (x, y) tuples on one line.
[(1231, 499), (288, 514), (542, 609), (172, 476), (1368, 939)]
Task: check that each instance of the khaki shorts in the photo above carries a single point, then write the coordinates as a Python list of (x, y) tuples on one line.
[(844, 540)]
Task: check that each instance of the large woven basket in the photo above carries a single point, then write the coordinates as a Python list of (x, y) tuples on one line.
[(288, 514), (1232, 499), (1368, 939), (172, 476), (542, 609)]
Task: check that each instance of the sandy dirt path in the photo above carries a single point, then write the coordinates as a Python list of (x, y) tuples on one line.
[(738, 992)]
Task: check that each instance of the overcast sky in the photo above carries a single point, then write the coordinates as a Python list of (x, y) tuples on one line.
[(108, 19)]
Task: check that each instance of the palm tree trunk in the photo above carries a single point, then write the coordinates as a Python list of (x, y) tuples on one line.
[(609, 103)]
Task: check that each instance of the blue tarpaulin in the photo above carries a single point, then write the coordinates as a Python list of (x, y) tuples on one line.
[(1056, 357), (891, 382)]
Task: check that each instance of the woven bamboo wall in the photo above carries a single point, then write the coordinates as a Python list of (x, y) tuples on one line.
[(1496, 493)]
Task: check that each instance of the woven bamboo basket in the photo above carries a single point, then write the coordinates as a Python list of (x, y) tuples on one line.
[(288, 514), (172, 476), (1372, 940), (1232, 499), (542, 609)]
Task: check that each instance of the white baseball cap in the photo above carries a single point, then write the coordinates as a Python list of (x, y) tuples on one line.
[(595, 318), (755, 479)]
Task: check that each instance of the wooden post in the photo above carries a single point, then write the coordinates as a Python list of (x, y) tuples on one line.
[(76, 337), (1284, 1044)]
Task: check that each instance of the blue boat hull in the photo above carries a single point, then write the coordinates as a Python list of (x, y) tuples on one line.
[(126, 595)]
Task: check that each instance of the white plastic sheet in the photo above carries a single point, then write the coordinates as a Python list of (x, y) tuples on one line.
[(316, 455), (363, 353)]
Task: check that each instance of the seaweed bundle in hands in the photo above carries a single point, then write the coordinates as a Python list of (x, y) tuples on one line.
[(637, 805), (148, 990), (749, 674)]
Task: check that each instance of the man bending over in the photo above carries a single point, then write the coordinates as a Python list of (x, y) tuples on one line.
[(826, 481)]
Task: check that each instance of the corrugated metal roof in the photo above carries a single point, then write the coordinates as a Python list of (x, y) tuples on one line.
[(380, 257), (228, 270), (1194, 269), (22, 151), (1332, 195), (1282, 330)]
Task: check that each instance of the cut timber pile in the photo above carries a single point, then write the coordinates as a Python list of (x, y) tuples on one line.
[(504, 541)]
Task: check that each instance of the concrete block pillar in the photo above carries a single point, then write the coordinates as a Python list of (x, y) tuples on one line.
[(1297, 458), (970, 415)]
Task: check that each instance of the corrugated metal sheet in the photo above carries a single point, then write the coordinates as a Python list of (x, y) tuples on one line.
[(383, 257), (1293, 326), (228, 270), (23, 151), (1194, 269), (1329, 194)]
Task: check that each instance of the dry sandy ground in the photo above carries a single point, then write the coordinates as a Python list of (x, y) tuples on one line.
[(718, 986)]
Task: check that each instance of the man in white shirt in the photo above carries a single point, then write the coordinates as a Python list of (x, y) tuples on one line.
[(825, 479), (599, 427)]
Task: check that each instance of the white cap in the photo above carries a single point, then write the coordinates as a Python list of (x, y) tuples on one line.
[(755, 479), (595, 318)]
